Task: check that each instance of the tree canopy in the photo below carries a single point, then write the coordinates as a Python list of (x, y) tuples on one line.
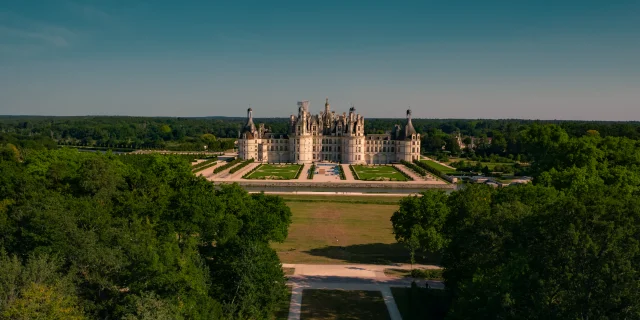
[(86, 235), (566, 247)]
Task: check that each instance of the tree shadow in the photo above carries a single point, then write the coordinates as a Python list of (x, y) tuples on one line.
[(373, 253)]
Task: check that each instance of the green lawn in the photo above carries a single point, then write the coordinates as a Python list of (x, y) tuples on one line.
[(382, 173), (275, 172), (438, 166), (335, 233), (343, 305)]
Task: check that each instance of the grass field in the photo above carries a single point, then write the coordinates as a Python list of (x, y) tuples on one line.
[(385, 173), (275, 172), (337, 232), (342, 304), (438, 166)]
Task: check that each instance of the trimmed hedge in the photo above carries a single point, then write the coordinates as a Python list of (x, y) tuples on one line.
[(413, 167), (342, 175), (205, 164), (353, 173), (299, 171), (312, 170), (240, 166), (227, 166)]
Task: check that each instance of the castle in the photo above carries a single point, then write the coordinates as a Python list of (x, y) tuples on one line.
[(328, 137)]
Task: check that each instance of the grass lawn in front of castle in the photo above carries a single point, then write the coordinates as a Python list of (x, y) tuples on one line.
[(275, 172), (378, 173)]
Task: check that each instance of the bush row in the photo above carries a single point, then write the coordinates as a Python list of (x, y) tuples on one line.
[(342, 176), (227, 166), (413, 167), (205, 164), (240, 166), (353, 173), (312, 170), (299, 171)]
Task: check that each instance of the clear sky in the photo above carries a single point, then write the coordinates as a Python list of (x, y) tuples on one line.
[(539, 59)]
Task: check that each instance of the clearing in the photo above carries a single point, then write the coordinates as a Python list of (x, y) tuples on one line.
[(275, 172), (343, 304), (327, 232), (378, 173)]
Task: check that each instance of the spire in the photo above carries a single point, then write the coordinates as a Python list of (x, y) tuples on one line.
[(249, 127), (409, 130)]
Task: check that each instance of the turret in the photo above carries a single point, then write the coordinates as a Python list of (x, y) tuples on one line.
[(409, 130)]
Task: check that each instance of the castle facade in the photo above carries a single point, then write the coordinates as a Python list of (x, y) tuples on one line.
[(328, 137)]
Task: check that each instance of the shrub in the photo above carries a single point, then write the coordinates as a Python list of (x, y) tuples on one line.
[(240, 166), (342, 175), (353, 173), (227, 166), (311, 171), (430, 274)]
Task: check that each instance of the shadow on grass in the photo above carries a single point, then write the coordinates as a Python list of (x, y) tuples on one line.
[(340, 304), (372, 253)]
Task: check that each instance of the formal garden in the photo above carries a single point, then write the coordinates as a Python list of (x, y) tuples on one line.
[(377, 173), (275, 172)]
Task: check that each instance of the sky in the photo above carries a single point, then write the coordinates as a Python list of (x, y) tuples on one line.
[(560, 59)]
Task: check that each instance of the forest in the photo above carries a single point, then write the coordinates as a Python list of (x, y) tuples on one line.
[(102, 236), (219, 133), (565, 247)]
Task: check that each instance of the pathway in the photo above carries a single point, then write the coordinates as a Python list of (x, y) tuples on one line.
[(347, 172), (305, 172), (349, 277), (208, 172), (410, 172)]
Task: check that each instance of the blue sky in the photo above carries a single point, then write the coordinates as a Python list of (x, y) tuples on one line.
[(559, 59)]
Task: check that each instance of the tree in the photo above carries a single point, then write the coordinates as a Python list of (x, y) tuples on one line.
[(419, 220)]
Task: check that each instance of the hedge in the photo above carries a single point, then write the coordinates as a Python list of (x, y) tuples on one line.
[(205, 164), (312, 170), (227, 166), (413, 167), (353, 173), (240, 166), (299, 171), (342, 175)]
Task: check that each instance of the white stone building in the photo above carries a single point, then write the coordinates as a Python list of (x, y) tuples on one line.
[(328, 137)]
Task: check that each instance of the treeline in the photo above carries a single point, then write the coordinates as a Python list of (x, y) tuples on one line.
[(566, 247), (90, 235), (217, 134)]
